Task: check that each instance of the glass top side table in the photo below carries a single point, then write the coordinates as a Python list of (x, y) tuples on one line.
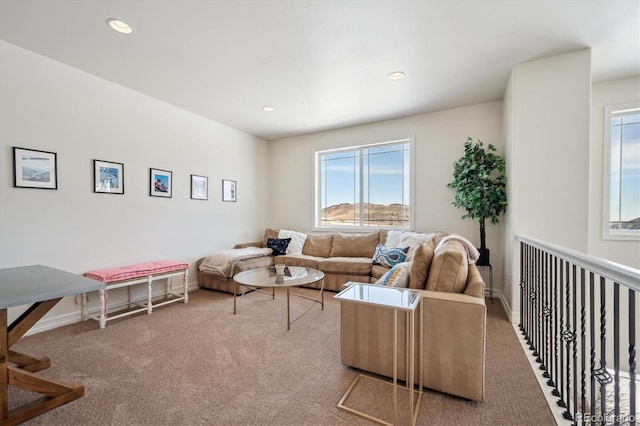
[(397, 299)]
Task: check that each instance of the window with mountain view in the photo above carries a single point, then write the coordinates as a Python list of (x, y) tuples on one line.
[(622, 172), (365, 187)]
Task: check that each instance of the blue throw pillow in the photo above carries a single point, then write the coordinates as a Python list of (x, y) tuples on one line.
[(389, 256), (278, 245)]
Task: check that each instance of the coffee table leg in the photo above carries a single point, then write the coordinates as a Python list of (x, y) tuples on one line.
[(288, 310), (235, 292)]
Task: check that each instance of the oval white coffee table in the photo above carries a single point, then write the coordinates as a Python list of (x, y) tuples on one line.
[(295, 276)]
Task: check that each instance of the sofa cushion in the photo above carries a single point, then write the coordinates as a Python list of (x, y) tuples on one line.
[(377, 271), (382, 236), (297, 240), (347, 245), (269, 233), (346, 265), (421, 265), (318, 245), (449, 268), (398, 276), (278, 245), (393, 238), (389, 256), (298, 260), (413, 240)]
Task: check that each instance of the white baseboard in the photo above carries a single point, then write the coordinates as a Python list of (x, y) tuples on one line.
[(73, 317)]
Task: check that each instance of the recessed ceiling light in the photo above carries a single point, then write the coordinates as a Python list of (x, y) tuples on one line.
[(396, 75), (119, 26), (268, 108)]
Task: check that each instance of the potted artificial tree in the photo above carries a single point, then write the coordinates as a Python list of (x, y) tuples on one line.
[(479, 179)]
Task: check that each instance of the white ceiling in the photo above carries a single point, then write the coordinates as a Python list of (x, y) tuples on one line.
[(321, 64)]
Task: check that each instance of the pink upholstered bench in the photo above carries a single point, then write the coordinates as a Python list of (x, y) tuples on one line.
[(141, 273)]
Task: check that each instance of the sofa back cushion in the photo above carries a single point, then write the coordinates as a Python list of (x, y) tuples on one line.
[(421, 265), (347, 245), (449, 268), (318, 245), (269, 233), (382, 236)]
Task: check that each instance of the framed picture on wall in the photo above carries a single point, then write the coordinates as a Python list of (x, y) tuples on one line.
[(160, 183), (229, 190), (108, 177), (199, 187), (34, 169)]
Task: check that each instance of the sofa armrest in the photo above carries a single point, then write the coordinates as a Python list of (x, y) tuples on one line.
[(244, 245), (454, 343), (475, 284)]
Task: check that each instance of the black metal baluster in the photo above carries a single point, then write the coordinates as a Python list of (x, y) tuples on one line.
[(536, 301), (532, 302), (568, 338), (545, 315), (522, 274), (592, 340), (602, 375), (632, 357), (560, 389), (616, 348), (574, 299), (556, 336), (583, 342)]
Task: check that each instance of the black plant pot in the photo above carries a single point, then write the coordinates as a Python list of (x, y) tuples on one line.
[(483, 260)]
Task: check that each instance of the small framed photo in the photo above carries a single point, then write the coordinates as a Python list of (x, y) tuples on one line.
[(160, 183), (108, 177), (229, 190), (34, 169), (199, 187)]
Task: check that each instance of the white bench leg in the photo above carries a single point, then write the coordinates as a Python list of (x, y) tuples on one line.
[(185, 284), (104, 297), (149, 294)]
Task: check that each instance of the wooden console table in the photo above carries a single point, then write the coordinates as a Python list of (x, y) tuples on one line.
[(41, 287)]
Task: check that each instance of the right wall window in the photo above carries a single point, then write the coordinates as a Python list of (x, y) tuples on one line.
[(621, 210)]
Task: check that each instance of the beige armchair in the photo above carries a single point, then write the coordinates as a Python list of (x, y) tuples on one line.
[(454, 338)]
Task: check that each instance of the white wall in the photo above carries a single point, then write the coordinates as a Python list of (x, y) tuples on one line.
[(509, 243), (548, 153), (49, 106), (605, 94), (439, 140)]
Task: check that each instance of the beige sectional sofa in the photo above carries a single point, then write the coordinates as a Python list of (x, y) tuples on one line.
[(453, 302), (342, 258)]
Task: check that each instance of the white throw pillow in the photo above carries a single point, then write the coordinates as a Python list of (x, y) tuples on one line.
[(393, 238), (297, 240), (398, 276), (413, 240)]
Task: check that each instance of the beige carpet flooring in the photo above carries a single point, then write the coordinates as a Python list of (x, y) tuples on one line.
[(198, 364)]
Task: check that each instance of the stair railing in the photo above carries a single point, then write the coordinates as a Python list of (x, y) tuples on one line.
[(578, 316)]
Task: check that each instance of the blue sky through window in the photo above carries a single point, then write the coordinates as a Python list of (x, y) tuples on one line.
[(385, 179), (625, 167)]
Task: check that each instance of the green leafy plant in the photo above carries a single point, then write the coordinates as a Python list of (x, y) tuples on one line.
[(479, 180)]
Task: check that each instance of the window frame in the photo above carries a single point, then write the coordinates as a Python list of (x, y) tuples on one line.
[(607, 232), (317, 194)]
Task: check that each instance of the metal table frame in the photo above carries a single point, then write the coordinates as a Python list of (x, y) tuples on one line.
[(346, 296), (270, 280)]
